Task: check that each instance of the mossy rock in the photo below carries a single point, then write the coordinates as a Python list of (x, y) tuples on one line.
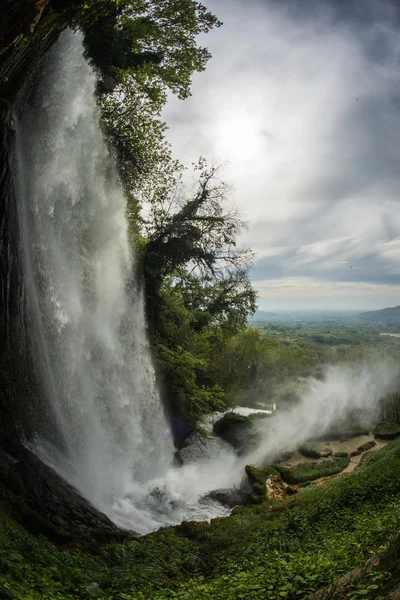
[(309, 452), (367, 446), (309, 471), (341, 454), (237, 430), (257, 479), (355, 453), (387, 430)]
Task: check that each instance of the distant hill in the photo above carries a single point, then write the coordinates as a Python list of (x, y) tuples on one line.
[(386, 314)]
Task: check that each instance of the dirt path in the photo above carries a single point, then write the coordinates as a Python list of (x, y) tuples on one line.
[(355, 460)]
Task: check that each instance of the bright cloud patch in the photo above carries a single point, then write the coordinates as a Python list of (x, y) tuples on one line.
[(304, 106)]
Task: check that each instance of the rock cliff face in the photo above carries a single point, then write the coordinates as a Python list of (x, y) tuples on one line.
[(35, 494), (19, 65), (18, 19)]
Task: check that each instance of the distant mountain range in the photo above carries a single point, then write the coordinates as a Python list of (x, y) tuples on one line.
[(386, 314)]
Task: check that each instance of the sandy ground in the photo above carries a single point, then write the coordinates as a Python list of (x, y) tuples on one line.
[(349, 446)]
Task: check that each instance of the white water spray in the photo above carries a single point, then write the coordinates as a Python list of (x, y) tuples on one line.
[(326, 402)]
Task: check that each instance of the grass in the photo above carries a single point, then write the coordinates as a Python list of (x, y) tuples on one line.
[(308, 471), (286, 549)]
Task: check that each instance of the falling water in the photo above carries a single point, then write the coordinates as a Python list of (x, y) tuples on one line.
[(110, 437)]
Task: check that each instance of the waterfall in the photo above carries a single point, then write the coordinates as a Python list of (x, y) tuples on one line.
[(109, 437)]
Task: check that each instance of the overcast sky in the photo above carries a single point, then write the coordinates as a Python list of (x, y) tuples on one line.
[(302, 100)]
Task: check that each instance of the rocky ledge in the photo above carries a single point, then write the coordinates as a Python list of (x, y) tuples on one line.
[(44, 503)]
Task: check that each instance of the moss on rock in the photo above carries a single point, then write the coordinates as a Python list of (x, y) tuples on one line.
[(387, 430), (309, 452), (367, 446), (257, 478), (237, 430)]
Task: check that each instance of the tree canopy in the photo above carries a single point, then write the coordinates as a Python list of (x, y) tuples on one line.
[(197, 232), (127, 38)]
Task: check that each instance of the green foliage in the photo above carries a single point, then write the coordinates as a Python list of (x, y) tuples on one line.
[(308, 471), (198, 295), (188, 343), (123, 38), (285, 550), (182, 369)]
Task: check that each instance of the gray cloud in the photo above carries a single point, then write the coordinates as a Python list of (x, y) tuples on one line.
[(302, 99)]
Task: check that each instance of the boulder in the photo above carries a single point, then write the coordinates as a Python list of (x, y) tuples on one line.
[(274, 488), (237, 430), (230, 497), (387, 430), (367, 446), (309, 452)]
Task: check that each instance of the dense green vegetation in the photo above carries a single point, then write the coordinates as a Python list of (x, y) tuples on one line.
[(327, 331), (281, 549)]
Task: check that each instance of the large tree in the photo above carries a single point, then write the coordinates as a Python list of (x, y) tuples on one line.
[(197, 290), (198, 232)]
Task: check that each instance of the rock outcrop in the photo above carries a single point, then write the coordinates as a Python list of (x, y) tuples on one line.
[(44, 503), (309, 452), (231, 497), (18, 17), (19, 64), (237, 430), (387, 430)]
